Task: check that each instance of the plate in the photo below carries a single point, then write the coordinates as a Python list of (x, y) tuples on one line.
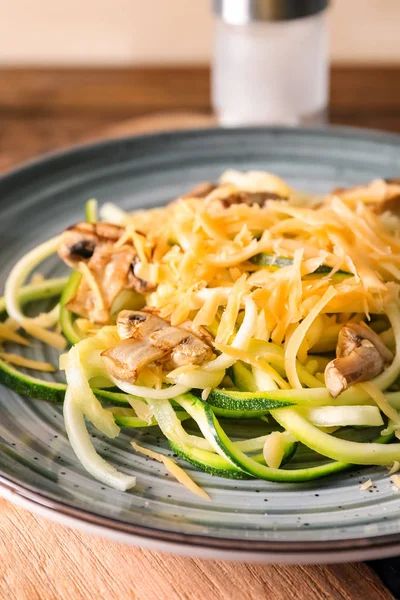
[(327, 520)]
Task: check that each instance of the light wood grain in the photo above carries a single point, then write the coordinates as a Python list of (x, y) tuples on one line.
[(363, 96), (41, 560)]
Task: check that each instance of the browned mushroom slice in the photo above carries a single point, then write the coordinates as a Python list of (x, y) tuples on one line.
[(190, 351), (79, 242), (198, 331), (361, 356), (391, 202), (125, 360), (110, 268), (168, 346), (201, 190), (136, 283), (138, 324), (250, 198), (352, 334)]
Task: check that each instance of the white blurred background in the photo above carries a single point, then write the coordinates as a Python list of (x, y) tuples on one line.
[(125, 32)]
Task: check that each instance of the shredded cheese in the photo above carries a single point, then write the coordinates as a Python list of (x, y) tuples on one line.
[(175, 470), (274, 449), (296, 339), (93, 285), (37, 278), (376, 394), (366, 485), (249, 358), (8, 333), (396, 480), (28, 363), (48, 337)]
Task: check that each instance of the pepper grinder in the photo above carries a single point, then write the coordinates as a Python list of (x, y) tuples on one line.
[(270, 62)]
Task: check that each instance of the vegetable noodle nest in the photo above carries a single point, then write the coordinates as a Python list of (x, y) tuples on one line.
[(244, 299)]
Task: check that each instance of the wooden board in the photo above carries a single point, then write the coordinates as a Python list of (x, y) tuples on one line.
[(40, 560)]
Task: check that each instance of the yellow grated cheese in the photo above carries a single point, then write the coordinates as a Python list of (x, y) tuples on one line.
[(207, 312), (211, 227), (93, 285), (174, 469), (37, 278), (359, 227), (263, 333), (86, 326), (366, 485), (140, 245), (234, 258), (250, 359), (396, 480), (228, 320), (48, 337), (274, 449), (296, 339), (12, 324), (28, 363), (9, 334), (378, 396)]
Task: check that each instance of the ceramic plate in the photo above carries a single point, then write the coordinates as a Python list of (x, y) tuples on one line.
[(327, 520)]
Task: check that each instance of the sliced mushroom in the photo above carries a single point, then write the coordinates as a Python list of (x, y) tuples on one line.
[(381, 195), (190, 351), (79, 241), (138, 324), (391, 201), (135, 282), (250, 198), (361, 356), (352, 334), (125, 360), (112, 267), (198, 331), (149, 339), (201, 190)]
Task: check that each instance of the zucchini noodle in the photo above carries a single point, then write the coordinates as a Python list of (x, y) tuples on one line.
[(19, 274), (147, 392), (242, 338), (82, 445)]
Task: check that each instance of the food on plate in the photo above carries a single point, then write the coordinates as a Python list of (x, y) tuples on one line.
[(241, 300)]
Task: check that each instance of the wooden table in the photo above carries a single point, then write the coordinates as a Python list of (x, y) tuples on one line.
[(41, 560)]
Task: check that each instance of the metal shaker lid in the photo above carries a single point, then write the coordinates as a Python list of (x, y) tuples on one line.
[(242, 12)]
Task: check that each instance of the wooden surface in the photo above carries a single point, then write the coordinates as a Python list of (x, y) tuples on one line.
[(43, 109), (39, 560)]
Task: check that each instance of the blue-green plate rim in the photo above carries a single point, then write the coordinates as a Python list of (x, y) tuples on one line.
[(363, 547)]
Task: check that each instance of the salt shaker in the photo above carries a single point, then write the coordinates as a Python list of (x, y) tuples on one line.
[(270, 62)]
